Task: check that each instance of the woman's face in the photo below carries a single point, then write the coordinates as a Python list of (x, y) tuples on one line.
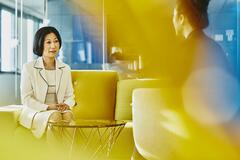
[(51, 46)]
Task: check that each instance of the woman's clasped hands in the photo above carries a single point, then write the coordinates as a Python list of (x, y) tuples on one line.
[(60, 107)]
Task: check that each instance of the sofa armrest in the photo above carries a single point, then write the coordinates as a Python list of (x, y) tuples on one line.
[(9, 118), (123, 109)]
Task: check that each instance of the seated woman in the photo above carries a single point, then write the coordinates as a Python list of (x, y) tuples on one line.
[(46, 84)]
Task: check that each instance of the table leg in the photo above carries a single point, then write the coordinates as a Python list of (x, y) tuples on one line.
[(72, 143)]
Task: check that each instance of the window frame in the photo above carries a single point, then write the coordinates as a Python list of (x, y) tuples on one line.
[(36, 22)]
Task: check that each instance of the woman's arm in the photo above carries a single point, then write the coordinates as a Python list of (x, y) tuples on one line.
[(27, 93)]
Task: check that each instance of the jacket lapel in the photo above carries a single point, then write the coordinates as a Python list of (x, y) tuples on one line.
[(42, 74), (41, 78), (39, 65)]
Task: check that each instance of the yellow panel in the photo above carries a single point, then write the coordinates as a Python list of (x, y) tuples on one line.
[(94, 93)]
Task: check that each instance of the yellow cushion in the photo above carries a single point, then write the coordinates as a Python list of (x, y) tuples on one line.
[(125, 88), (94, 94)]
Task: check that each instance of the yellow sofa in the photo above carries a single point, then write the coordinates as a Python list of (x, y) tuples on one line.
[(99, 95)]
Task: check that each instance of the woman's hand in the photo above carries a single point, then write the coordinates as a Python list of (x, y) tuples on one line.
[(52, 107), (62, 107)]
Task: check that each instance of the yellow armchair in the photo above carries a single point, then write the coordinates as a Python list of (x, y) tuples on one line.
[(163, 130)]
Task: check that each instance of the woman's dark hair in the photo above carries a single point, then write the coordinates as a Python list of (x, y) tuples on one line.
[(40, 37), (196, 11)]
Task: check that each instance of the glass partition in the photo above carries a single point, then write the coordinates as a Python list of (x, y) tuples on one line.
[(81, 26), (226, 31), (19, 20)]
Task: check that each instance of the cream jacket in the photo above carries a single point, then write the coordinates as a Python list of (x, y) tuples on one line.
[(34, 89)]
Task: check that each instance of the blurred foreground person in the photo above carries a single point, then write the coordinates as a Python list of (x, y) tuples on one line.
[(210, 91), (198, 51)]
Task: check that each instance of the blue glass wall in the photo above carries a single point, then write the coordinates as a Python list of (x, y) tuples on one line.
[(224, 18), (81, 35)]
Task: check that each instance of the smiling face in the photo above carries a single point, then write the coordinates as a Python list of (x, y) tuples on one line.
[(51, 46)]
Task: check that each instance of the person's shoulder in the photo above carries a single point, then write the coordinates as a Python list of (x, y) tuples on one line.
[(210, 41), (216, 48), (67, 66), (29, 67), (29, 64), (63, 65), (210, 45)]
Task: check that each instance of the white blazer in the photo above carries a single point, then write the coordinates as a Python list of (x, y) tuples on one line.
[(34, 89)]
